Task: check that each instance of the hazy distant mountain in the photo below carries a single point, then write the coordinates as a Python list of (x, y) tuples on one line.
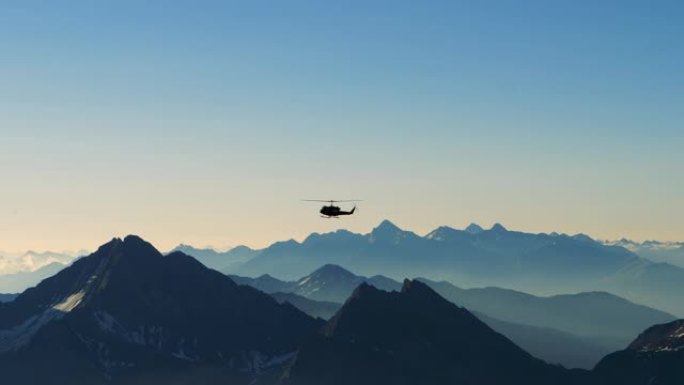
[(535, 263), (655, 357), (18, 282), (128, 314), (656, 251), (32, 261), (330, 283), (222, 261), (335, 284), (606, 319), (415, 337), (551, 345), (264, 283)]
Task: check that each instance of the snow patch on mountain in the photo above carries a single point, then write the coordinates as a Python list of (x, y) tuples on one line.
[(70, 302), (20, 335)]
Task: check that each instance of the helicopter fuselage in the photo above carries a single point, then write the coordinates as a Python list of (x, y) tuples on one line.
[(334, 211)]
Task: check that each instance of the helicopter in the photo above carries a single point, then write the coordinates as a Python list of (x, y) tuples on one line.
[(332, 211)]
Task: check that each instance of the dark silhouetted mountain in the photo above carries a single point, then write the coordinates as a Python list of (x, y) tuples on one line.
[(415, 337), (318, 309), (656, 357), (607, 320), (551, 345), (222, 261), (535, 263), (128, 314), (18, 282), (7, 297)]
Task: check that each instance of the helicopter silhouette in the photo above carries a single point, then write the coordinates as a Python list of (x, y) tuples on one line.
[(332, 211)]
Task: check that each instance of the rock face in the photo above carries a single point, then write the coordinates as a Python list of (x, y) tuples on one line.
[(656, 357), (128, 314), (415, 337)]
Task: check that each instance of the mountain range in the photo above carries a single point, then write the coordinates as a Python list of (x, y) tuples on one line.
[(128, 314), (34, 260), (656, 251), (542, 264), (222, 261), (574, 330)]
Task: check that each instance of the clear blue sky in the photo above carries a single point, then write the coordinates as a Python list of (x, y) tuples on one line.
[(207, 121)]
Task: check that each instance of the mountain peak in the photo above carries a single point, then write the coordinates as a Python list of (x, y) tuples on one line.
[(498, 227), (474, 228), (387, 226), (135, 246), (582, 237), (388, 232), (362, 291), (332, 270), (441, 233), (416, 289), (413, 285)]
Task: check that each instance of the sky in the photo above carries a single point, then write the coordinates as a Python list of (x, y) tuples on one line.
[(207, 122)]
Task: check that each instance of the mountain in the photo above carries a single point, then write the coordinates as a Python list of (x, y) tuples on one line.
[(127, 314), (605, 319), (32, 261), (225, 262), (329, 283), (551, 345), (415, 337), (334, 284), (655, 357), (574, 330), (656, 251), (264, 283), (541, 264), (17, 282)]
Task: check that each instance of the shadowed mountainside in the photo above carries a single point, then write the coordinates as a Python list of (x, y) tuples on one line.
[(127, 313), (655, 357), (415, 337)]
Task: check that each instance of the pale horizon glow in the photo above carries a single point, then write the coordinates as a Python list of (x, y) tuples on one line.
[(207, 122)]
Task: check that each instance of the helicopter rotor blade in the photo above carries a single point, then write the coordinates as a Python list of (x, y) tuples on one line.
[(331, 200)]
